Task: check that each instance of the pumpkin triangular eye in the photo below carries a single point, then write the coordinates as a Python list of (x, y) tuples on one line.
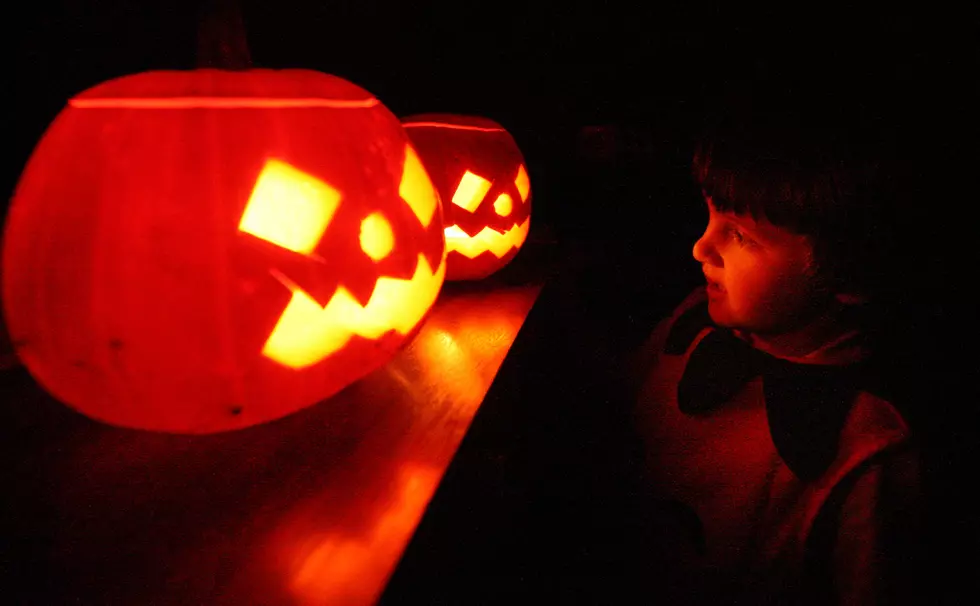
[(289, 208), (523, 183), (416, 189), (470, 191)]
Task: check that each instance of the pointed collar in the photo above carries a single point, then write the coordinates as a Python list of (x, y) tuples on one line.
[(807, 398)]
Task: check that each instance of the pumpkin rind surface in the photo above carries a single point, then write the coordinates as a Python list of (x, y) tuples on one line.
[(202, 251), (482, 178)]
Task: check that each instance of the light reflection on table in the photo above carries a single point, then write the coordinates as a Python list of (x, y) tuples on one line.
[(443, 375), (315, 508)]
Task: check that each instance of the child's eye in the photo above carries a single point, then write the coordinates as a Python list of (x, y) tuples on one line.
[(740, 237), (737, 235)]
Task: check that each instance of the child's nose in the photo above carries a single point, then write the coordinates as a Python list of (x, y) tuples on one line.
[(704, 252)]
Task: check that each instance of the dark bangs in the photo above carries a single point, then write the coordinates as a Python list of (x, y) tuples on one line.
[(819, 178), (804, 180)]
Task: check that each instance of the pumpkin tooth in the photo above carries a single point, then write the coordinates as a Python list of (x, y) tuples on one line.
[(307, 333), (487, 240)]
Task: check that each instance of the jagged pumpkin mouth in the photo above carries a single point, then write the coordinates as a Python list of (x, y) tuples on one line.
[(292, 209)]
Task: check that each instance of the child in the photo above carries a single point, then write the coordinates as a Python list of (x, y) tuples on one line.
[(780, 469)]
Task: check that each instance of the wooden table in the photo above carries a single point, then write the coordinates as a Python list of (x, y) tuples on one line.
[(315, 508)]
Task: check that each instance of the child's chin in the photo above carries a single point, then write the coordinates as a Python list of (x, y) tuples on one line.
[(720, 313)]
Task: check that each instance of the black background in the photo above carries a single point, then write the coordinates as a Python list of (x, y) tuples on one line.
[(647, 72), (542, 72)]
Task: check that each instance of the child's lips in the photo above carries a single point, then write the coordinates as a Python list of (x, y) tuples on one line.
[(714, 287)]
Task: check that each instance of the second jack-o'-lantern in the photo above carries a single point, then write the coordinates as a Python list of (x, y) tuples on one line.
[(481, 176), (206, 250)]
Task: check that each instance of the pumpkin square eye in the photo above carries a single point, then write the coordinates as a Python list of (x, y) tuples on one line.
[(470, 191), (289, 208)]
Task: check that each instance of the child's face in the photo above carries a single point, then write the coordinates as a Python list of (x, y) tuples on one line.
[(761, 277)]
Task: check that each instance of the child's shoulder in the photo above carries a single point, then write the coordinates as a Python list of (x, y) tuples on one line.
[(675, 332), (697, 298)]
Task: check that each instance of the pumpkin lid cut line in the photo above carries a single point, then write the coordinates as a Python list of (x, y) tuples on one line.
[(219, 103), (451, 126)]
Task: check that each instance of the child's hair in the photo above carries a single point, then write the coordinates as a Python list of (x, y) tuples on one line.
[(808, 170)]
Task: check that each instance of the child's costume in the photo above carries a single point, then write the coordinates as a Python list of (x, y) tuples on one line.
[(775, 480)]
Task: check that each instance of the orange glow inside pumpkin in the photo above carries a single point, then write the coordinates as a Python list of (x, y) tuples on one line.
[(523, 183), (470, 191), (377, 239), (487, 240), (306, 333), (289, 208), (416, 189), (503, 205), (469, 195), (292, 209)]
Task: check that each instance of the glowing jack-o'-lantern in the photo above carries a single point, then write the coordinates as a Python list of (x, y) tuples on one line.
[(480, 174), (201, 251)]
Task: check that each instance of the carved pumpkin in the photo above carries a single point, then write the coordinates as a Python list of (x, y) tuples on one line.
[(481, 177), (202, 251)]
